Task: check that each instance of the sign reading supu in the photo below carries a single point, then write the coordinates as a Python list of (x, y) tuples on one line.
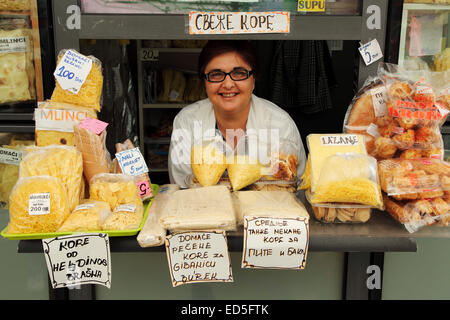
[(311, 5)]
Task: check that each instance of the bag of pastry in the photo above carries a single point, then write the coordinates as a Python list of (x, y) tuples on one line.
[(62, 162), (89, 94), (414, 179), (10, 157), (153, 233), (89, 215), (142, 180), (37, 204), (127, 216), (348, 178), (54, 122), (208, 160)]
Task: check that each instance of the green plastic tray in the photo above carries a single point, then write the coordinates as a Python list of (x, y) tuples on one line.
[(111, 233)]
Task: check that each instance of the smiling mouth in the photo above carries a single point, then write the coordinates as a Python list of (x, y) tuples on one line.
[(228, 95)]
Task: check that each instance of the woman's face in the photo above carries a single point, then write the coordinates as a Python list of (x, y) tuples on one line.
[(229, 95)]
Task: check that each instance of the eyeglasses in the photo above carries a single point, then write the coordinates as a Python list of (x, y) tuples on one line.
[(237, 74)]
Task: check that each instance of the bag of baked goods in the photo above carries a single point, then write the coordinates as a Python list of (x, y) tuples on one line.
[(37, 205), (333, 214), (17, 74), (89, 215), (414, 179), (348, 178), (89, 94), (153, 233), (127, 216), (142, 180), (243, 171), (15, 5), (200, 209), (10, 157), (276, 204), (114, 188), (96, 158), (208, 161), (54, 122), (418, 213), (62, 162)]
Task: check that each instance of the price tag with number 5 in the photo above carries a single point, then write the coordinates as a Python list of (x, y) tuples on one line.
[(371, 52), (72, 71)]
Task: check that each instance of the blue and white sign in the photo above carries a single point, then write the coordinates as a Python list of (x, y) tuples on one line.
[(72, 71), (371, 52), (132, 162)]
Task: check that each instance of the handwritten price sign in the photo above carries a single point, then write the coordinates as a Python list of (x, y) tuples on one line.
[(72, 71), (371, 52)]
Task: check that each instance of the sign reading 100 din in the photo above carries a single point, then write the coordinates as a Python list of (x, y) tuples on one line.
[(238, 22)]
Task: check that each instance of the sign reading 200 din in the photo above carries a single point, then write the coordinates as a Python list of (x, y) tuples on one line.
[(238, 22)]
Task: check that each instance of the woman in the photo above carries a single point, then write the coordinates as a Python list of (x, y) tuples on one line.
[(231, 109)]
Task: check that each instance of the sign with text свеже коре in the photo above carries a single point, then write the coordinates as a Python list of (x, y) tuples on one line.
[(238, 22), (198, 256), (78, 259), (275, 243)]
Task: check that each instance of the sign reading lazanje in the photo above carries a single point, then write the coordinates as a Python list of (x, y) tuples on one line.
[(238, 22)]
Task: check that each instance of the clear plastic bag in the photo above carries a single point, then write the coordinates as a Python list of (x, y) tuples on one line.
[(125, 216), (284, 163), (90, 92), (62, 162), (15, 5), (37, 205), (89, 215), (414, 179), (348, 178)]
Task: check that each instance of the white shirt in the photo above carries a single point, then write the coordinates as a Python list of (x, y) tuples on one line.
[(198, 120)]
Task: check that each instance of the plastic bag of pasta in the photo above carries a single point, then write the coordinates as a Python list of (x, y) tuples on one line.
[(89, 94), (62, 162), (126, 216), (349, 178), (208, 161), (37, 205), (89, 215)]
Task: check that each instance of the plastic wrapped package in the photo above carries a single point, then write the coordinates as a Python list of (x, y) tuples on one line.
[(243, 171), (96, 159), (153, 233), (414, 179), (200, 209), (15, 5), (306, 176), (55, 122), (174, 84), (442, 60), (125, 217), (143, 180), (208, 161), (116, 189), (192, 182), (62, 162), (17, 74), (90, 92), (321, 146), (284, 163), (341, 215), (195, 89), (89, 215), (348, 178), (418, 213), (276, 204), (37, 205), (273, 185)]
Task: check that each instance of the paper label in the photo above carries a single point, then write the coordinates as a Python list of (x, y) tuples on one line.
[(132, 162), (148, 54), (342, 140), (372, 129), (83, 206), (78, 259), (72, 71), (275, 243), (93, 125), (311, 5), (39, 204), (144, 188), (379, 98), (198, 257), (58, 120), (238, 22), (126, 208), (371, 52), (10, 156), (14, 44)]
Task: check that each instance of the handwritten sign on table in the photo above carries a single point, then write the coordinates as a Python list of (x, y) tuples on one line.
[(275, 243), (78, 259), (200, 256), (238, 22)]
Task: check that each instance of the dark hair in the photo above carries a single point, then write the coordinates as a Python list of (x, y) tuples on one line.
[(214, 48)]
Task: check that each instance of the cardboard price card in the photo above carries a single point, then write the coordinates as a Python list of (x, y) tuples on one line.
[(200, 256), (72, 71), (239, 22), (132, 162), (275, 243), (78, 259)]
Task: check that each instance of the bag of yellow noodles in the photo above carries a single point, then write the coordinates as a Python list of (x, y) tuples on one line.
[(208, 161), (349, 178)]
